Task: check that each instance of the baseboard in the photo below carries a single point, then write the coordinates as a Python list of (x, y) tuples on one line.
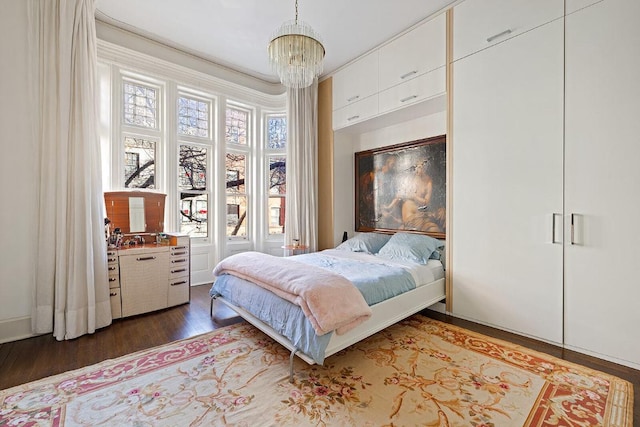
[(15, 329), (602, 356), (440, 307)]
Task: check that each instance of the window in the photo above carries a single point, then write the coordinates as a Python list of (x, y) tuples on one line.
[(193, 117), (140, 105), (236, 165), (192, 187), (276, 172), (139, 163), (236, 126)]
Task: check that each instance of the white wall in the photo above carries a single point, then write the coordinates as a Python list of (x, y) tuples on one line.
[(346, 144), (18, 175)]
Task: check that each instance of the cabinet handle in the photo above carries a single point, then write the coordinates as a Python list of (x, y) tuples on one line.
[(572, 239), (179, 270), (112, 279), (553, 227), (182, 282), (145, 258), (353, 98), (113, 294), (178, 253), (175, 261), (410, 73), (113, 268), (112, 259), (177, 248), (353, 118), (408, 98), (504, 33)]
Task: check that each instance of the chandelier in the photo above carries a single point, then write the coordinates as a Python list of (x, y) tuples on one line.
[(296, 54)]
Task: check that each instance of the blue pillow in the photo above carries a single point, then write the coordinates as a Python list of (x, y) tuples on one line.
[(410, 247), (365, 242)]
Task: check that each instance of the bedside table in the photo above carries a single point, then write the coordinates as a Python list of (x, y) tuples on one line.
[(295, 250)]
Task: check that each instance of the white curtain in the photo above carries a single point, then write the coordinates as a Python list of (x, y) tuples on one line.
[(71, 296), (301, 217)]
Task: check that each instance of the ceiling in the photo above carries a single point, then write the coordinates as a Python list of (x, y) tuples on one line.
[(235, 33)]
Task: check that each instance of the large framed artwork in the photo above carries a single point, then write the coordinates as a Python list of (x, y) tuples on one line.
[(402, 188)]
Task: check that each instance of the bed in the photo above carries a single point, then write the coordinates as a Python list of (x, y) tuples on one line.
[(396, 276)]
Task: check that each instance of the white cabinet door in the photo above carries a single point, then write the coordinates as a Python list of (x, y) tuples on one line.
[(355, 112), (413, 91), (144, 284), (478, 24), (421, 50), (602, 280), (356, 82), (507, 184)]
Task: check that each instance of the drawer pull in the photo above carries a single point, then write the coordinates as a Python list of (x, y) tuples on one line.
[(180, 270), (408, 98), (353, 98), (177, 248), (353, 118), (112, 259), (182, 282), (145, 258), (504, 33), (113, 294), (113, 279), (410, 73), (113, 268), (178, 253), (175, 261)]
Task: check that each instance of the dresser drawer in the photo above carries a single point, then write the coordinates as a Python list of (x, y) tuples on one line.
[(178, 291), (478, 24), (177, 271), (356, 112), (116, 303)]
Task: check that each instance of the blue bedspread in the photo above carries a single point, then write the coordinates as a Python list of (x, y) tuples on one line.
[(375, 281)]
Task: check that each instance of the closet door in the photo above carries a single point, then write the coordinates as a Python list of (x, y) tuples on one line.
[(507, 184), (602, 278)]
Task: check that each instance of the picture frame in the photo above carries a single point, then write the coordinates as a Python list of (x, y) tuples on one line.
[(402, 187)]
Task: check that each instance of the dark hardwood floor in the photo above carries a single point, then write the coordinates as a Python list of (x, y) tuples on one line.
[(34, 358)]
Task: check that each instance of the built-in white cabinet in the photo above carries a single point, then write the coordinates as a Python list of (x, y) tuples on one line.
[(356, 82), (545, 199), (507, 183), (479, 24), (413, 54), (602, 178), (408, 70)]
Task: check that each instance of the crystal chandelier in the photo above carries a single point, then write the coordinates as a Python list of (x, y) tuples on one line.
[(296, 54)]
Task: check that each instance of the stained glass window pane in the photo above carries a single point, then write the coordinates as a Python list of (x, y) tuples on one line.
[(139, 163), (193, 117), (192, 168), (140, 105), (277, 133), (236, 126), (235, 177)]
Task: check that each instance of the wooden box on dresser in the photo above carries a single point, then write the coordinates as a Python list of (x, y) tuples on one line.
[(149, 277)]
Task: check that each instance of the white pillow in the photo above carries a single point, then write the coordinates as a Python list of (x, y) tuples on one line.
[(410, 247), (365, 242)]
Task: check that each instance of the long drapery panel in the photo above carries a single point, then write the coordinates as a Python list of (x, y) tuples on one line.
[(71, 295), (301, 220)]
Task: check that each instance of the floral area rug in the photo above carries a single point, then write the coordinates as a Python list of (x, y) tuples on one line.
[(417, 372)]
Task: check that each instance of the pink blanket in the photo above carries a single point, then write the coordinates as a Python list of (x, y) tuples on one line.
[(330, 301)]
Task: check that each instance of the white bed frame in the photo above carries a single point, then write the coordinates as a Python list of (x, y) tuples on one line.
[(385, 314)]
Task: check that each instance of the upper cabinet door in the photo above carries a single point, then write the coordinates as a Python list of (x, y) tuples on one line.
[(356, 81), (574, 5), (421, 50), (478, 24)]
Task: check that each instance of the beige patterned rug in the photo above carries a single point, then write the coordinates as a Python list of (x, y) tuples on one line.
[(419, 372)]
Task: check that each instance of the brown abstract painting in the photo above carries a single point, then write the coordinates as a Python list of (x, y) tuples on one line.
[(402, 187)]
